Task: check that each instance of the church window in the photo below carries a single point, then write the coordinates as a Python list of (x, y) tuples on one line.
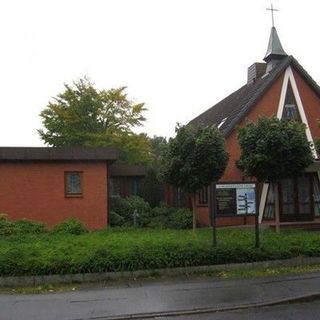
[(269, 210), (316, 195), (73, 184), (290, 109)]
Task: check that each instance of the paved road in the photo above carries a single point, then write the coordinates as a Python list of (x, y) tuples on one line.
[(139, 298), (298, 311)]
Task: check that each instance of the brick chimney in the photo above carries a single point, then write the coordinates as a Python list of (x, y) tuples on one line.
[(255, 71)]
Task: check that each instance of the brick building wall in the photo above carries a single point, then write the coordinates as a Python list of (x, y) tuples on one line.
[(36, 191), (266, 106)]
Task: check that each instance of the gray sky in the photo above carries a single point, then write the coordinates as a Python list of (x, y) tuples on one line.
[(180, 57)]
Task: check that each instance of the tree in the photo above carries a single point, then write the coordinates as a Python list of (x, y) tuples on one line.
[(83, 116), (159, 146), (194, 159), (153, 187), (274, 149)]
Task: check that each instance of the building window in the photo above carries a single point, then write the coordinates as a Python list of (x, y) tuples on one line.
[(73, 184), (115, 187), (269, 210), (203, 196), (180, 199), (290, 110), (135, 186), (316, 194)]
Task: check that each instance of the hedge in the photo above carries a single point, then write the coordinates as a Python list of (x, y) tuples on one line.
[(129, 250)]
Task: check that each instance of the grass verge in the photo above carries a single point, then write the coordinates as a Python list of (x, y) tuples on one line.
[(208, 276)]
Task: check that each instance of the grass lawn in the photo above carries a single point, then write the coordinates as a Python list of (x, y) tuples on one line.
[(120, 250)]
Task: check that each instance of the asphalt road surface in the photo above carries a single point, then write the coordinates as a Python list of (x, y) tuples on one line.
[(160, 298), (299, 311)]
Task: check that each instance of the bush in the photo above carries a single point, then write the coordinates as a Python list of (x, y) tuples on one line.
[(27, 226), (180, 219), (71, 226), (116, 220), (20, 227), (162, 217), (125, 207), (130, 250)]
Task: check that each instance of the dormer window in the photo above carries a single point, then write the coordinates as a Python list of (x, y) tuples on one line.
[(222, 122)]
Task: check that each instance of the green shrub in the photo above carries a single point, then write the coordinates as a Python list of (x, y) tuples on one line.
[(116, 220), (136, 249), (71, 226), (20, 227), (27, 226), (180, 219), (6, 227), (169, 217), (125, 207), (160, 216)]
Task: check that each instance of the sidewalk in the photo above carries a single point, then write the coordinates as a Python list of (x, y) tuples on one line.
[(159, 298)]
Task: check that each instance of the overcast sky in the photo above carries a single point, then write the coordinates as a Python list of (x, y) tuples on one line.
[(180, 57)]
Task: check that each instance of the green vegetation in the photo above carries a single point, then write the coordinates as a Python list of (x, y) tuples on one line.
[(122, 214), (136, 249), (193, 159), (84, 116), (71, 226), (19, 227), (273, 149)]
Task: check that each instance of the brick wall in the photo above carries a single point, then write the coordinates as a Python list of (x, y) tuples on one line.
[(266, 106), (35, 191), (311, 104)]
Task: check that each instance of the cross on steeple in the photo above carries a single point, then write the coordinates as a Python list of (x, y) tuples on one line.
[(271, 9)]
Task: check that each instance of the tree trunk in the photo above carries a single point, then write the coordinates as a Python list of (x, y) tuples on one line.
[(277, 206), (194, 220)]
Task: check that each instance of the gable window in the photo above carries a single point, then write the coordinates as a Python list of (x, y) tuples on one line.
[(290, 109), (73, 183)]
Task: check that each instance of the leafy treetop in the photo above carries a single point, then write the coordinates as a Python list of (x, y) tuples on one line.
[(274, 149), (83, 116), (194, 158)]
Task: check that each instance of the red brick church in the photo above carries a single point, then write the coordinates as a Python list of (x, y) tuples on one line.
[(279, 86), (52, 184)]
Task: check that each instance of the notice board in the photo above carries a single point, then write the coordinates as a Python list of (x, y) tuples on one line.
[(235, 198)]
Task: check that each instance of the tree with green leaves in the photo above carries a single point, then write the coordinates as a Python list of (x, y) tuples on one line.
[(273, 149), (153, 188), (84, 116), (194, 159)]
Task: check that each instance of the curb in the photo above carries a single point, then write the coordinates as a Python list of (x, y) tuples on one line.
[(98, 277), (303, 298)]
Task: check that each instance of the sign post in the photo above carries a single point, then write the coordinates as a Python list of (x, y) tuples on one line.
[(213, 214), (235, 199)]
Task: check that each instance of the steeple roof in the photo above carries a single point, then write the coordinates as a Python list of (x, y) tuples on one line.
[(275, 50)]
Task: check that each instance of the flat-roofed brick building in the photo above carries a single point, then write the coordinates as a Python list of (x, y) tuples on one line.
[(53, 184)]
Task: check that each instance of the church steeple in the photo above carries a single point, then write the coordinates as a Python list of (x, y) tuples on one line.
[(275, 50)]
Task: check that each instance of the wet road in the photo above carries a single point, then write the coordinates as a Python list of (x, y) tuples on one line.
[(160, 297)]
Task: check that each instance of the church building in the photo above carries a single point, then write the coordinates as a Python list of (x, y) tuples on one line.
[(280, 87)]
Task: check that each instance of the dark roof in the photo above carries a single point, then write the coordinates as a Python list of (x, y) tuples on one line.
[(117, 170), (56, 154), (236, 106)]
